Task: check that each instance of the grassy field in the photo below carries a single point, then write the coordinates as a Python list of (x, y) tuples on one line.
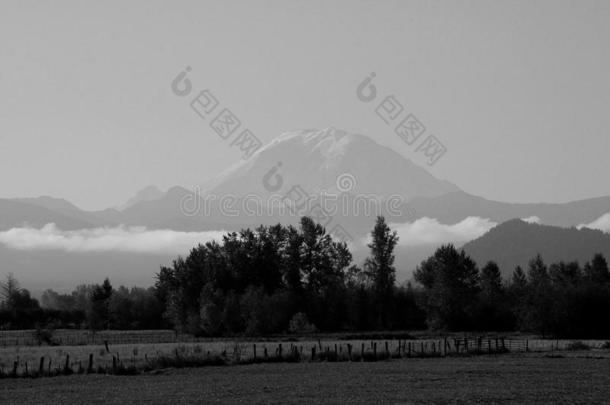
[(577, 378), (143, 355)]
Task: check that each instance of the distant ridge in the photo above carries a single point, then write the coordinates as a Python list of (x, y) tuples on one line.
[(515, 242), (149, 193), (453, 207)]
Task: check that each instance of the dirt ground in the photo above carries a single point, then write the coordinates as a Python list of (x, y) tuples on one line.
[(534, 378)]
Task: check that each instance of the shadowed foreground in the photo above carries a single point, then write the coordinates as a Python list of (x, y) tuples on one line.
[(505, 379)]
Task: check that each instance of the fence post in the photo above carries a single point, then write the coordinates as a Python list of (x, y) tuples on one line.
[(313, 353), (90, 366), (41, 366), (387, 349), (527, 346), (67, 365), (254, 349)]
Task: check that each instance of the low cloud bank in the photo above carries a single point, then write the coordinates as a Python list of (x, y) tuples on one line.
[(424, 231), (602, 224), (532, 220), (120, 239), (427, 231)]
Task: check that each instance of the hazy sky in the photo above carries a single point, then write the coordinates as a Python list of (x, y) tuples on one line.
[(517, 90)]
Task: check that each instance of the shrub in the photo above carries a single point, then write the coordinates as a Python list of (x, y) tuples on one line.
[(577, 346), (45, 335), (299, 324)]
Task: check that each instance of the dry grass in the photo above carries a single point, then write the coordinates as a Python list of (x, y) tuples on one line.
[(521, 379), (154, 355)]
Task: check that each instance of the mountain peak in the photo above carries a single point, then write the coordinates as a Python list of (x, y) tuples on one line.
[(315, 158), (321, 139)]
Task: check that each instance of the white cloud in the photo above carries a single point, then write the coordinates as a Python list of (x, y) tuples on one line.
[(532, 220), (602, 224), (429, 231), (121, 238)]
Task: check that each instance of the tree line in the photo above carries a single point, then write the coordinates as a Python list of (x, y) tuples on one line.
[(94, 306), (286, 279)]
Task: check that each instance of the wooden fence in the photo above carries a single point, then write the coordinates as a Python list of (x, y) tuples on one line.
[(133, 359)]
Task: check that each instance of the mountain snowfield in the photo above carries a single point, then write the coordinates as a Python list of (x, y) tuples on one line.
[(52, 237), (315, 159)]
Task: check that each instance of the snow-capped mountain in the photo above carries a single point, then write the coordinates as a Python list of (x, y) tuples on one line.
[(316, 159)]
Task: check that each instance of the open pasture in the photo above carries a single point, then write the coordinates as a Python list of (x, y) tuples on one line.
[(513, 378)]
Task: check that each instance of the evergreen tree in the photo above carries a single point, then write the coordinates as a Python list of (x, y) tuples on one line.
[(99, 316), (8, 291), (519, 280), (539, 297), (494, 312), (380, 268), (597, 271), (491, 281)]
